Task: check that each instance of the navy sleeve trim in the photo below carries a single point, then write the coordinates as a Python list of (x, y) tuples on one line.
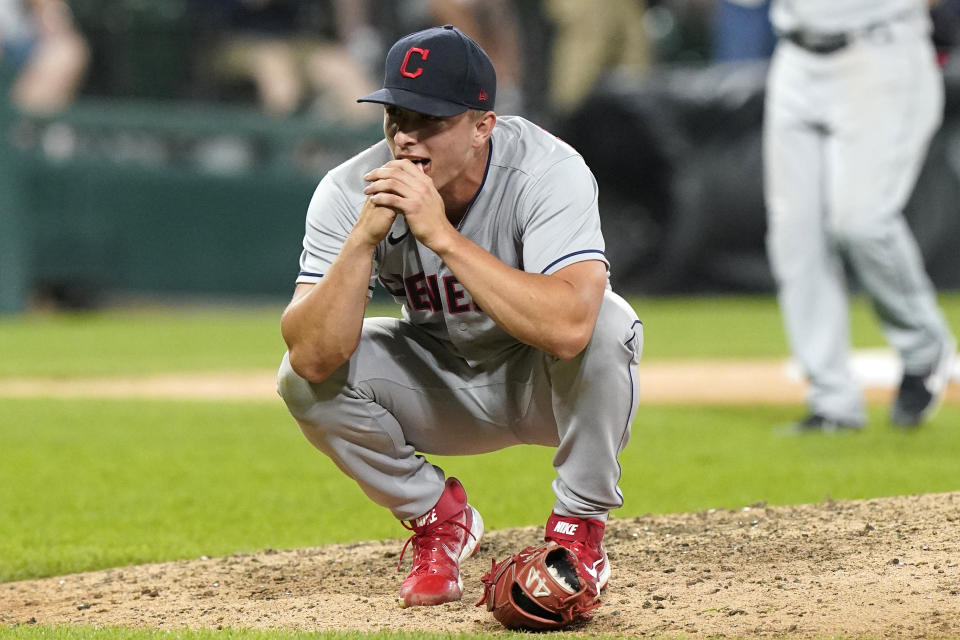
[(320, 275), (570, 255), (634, 334)]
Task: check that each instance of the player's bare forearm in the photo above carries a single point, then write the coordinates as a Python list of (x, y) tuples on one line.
[(555, 313), (322, 323)]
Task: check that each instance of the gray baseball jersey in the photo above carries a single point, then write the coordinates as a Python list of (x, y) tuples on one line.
[(536, 211)]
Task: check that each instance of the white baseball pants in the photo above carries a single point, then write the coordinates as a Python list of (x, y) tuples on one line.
[(845, 136)]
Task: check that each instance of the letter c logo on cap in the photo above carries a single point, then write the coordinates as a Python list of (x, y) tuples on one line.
[(403, 67)]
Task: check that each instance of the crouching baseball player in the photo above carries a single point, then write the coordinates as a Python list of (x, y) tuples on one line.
[(486, 229)]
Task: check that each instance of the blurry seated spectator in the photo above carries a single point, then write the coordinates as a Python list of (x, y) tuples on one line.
[(742, 30), (354, 28), (589, 40), (41, 46), (493, 24), (946, 27), (292, 52)]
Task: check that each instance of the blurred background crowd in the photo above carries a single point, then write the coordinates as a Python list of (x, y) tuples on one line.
[(662, 97), (316, 56)]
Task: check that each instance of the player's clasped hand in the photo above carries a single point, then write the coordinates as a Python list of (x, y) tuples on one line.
[(374, 222), (402, 186)]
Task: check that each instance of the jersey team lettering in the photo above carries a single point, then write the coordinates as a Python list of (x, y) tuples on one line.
[(423, 292)]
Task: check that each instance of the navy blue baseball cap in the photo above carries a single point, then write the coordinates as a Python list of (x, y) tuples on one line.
[(437, 72)]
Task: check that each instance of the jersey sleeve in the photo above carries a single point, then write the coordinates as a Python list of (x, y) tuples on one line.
[(560, 221), (330, 218)]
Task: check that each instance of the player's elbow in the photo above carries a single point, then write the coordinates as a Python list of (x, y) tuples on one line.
[(574, 318), (572, 343), (310, 367), (565, 354), (313, 357)]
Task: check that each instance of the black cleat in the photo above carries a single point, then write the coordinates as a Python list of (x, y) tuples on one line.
[(816, 423), (920, 395)]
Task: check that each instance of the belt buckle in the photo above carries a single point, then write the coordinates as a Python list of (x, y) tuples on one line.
[(822, 43)]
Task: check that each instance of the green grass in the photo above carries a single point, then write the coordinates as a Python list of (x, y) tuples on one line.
[(142, 342), (743, 327), (86, 484)]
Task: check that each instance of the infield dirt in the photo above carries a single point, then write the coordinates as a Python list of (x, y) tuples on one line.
[(718, 382), (875, 568)]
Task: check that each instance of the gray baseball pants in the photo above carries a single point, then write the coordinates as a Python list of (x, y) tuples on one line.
[(403, 393)]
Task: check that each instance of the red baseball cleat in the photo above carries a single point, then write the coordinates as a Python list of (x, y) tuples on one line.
[(585, 539), (442, 538)]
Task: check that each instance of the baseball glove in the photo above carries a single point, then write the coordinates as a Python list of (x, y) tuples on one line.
[(540, 588)]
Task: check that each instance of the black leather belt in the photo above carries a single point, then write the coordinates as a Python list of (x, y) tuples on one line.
[(822, 43)]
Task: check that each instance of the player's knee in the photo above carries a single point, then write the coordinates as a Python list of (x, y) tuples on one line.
[(850, 229), (315, 404)]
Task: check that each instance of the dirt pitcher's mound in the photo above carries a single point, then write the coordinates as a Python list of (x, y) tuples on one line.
[(878, 568)]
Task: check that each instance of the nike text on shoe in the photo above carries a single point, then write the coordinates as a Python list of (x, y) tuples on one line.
[(584, 538), (919, 395), (442, 538)]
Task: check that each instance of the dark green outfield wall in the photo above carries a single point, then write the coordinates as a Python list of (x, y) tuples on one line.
[(154, 197)]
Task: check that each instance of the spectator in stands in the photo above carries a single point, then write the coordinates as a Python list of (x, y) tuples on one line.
[(590, 40), (742, 30), (42, 48), (296, 54), (946, 27), (493, 25)]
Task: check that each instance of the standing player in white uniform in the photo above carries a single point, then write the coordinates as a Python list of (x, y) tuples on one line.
[(854, 96), (487, 230)]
